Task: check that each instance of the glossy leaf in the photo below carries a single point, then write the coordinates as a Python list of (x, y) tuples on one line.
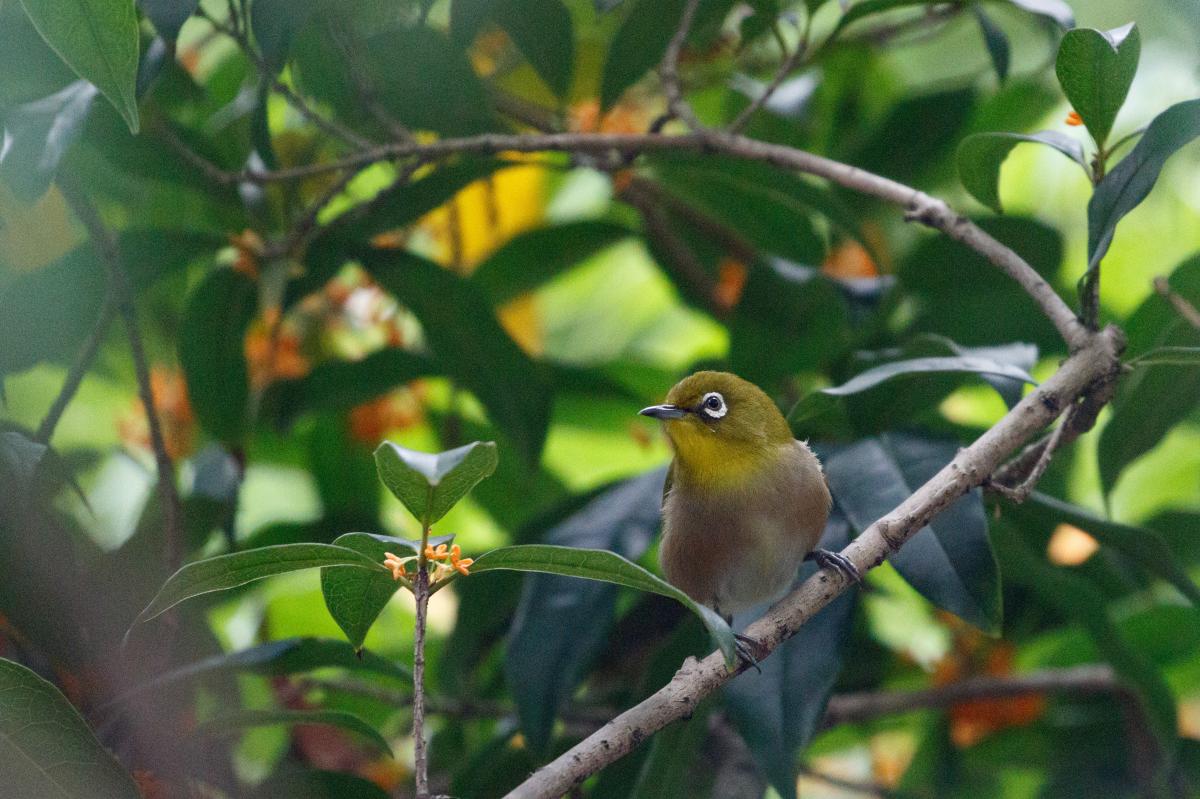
[(1095, 69), (981, 155), (239, 568), (561, 623), (950, 560), (212, 352), (1128, 183), (638, 45), (46, 747), (1142, 545), (235, 722), (995, 40), (430, 484), (531, 259), (99, 40), (39, 134), (778, 711), (609, 567), (470, 345), (356, 597)]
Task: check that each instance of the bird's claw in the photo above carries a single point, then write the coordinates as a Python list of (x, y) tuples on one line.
[(836, 561), (748, 650)]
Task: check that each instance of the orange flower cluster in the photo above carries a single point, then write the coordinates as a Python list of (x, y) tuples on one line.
[(1074, 120), (173, 409), (446, 559), (272, 351), (457, 562)]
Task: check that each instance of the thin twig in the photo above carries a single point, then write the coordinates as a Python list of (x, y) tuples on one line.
[(1020, 492), (108, 248), (1185, 309), (789, 65), (669, 69), (696, 680), (78, 370)]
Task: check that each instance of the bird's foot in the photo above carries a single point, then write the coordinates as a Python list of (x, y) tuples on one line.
[(749, 650), (836, 561)]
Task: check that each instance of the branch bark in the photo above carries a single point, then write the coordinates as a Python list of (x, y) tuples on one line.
[(1094, 360)]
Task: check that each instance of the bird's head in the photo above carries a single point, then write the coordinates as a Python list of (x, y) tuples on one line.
[(719, 423)]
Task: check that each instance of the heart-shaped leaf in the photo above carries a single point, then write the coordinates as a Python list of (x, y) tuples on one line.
[(1095, 69), (1128, 183), (430, 484), (981, 155), (949, 561), (47, 749), (230, 723), (356, 597), (239, 568), (97, 40)]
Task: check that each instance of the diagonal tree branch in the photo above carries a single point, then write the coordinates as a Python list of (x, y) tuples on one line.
[(1096, 360), (78, 370)]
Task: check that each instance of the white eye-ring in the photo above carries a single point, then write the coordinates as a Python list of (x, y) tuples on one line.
[(713, 405)]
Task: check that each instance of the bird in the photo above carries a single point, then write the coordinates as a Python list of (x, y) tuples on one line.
[(744, 502)]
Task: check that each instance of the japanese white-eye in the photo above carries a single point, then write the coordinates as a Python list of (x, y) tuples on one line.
[(745, 502)]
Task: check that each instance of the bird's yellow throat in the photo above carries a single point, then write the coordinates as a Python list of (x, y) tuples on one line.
[(708, 460)]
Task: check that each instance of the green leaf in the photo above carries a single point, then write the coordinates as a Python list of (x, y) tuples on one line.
[(981, 155), (638, 46), (309, 783), (1056, 10), (560, 623), (605, 566), (223, 572), (1078, 599), (273, 659), (230, 723), (39, 134), (1144, 546), (995, 40), (99, 40), (431, 484), (672, 760), (1095, 69), (950, 560), (469, 344), (869, 397), (168, 16), (531, 259), (778, 711), (541, 30), (1168, 356), (341, 385), (867, 8), (275, 24), (212, 351), (46, 747), (355, 597), (1153, 320), (1128, 183)]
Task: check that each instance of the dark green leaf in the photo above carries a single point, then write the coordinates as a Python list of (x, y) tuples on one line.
[(1095, 69), (778, 711), (168, 16), (949, 561), (1141, 545), (97, 40), (229, 571), (1079, 600), (561, 623), (868, 8), (234, 722), (309, 783), (38, 136), (541, 29), (671, 767), (1168, 356), (638, 46), (531, 259), (212, 351), (341, 385), (605, 566), (46, 747), (470, 345), (981, 155), (869, 399), (995, 40), (275, 658), (356, 597), (1128, 183), (431, 484), (1153, 320), (275, 23)]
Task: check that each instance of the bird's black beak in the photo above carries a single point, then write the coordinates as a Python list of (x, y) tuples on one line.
[(664, 412)]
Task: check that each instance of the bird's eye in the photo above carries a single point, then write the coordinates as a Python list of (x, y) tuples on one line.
[(713, 405)]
